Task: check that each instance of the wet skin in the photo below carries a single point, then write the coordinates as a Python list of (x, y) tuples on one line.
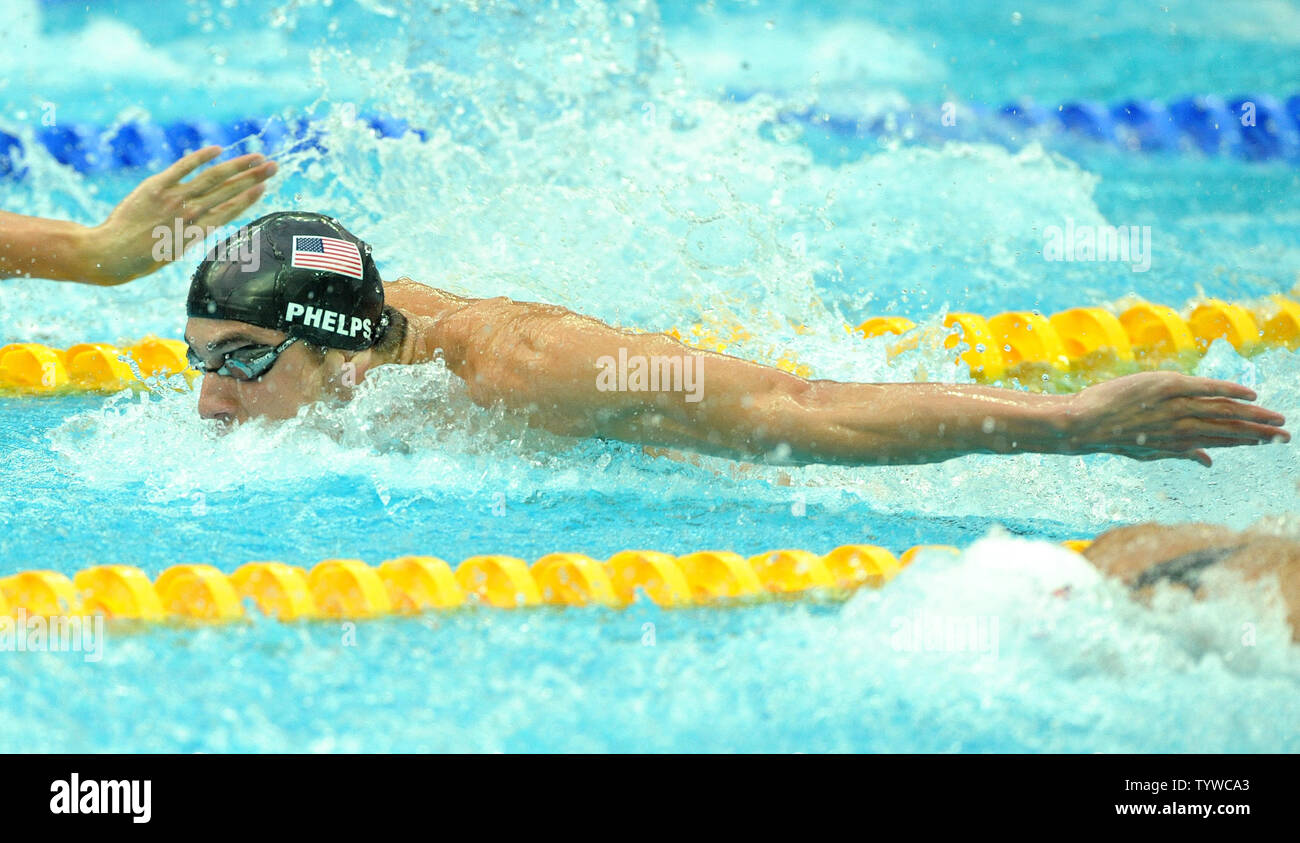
[(542, 360)]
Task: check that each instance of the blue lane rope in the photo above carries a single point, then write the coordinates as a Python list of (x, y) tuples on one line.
[(91, 149), (1254, 128)]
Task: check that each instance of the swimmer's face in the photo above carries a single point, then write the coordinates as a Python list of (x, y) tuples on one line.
[(300, 375)]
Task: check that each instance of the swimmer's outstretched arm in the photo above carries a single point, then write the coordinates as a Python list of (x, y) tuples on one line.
[(546, 360), (122, 247)]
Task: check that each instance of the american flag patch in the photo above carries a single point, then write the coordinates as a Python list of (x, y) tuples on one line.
[(327, 253)]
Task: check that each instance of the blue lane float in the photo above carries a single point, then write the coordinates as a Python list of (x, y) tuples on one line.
[(1146, 126), (92, 149), (1253, 128), (11, 150)]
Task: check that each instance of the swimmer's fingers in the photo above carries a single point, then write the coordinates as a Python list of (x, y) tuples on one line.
[(213, 177), (1194, 454), (1196, 442), (231, 208), (1189, 440), (1193, 433), (186, 164), (1229, 409), (1191, 446), (1187, 386), (230, 188), (1238, 429)]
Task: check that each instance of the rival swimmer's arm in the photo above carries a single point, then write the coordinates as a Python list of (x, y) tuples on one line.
[(122, 247), (546, 360)]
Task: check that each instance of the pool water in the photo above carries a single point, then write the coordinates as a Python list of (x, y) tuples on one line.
[(588, 156)]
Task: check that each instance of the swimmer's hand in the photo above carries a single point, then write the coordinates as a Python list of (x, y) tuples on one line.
[(123, 247), (1165, 415)]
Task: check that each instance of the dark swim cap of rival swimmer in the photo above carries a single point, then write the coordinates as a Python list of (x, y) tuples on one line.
[(296, 272)]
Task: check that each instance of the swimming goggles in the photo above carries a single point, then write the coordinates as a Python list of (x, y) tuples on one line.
[(247, 363)]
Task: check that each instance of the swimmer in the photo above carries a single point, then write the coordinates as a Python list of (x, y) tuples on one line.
[(314, 317), (1189, 556), (122, 247)]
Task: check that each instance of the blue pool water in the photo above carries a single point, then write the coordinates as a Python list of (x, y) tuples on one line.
[(587, 156)]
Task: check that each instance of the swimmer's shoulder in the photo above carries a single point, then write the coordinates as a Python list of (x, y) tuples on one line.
[(415, 298), (439, 322), (423, 300)]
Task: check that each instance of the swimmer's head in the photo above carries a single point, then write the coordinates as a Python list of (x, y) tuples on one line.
[(285, 312)]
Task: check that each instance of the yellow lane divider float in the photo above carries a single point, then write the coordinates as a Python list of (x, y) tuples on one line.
[(1091, 343), (92, 367), (349, 588)]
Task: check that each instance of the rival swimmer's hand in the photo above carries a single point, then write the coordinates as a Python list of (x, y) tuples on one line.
[(122, 248), (1162, 415)]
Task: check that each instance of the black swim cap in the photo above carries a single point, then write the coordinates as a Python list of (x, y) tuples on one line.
[(297, 272)]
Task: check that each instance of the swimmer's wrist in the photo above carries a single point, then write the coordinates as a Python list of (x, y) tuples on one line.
[(66, 252), (1046, 425), (1068, 425), (97, 256)]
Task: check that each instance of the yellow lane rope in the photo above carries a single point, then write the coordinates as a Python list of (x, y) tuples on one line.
[(351, 589)]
